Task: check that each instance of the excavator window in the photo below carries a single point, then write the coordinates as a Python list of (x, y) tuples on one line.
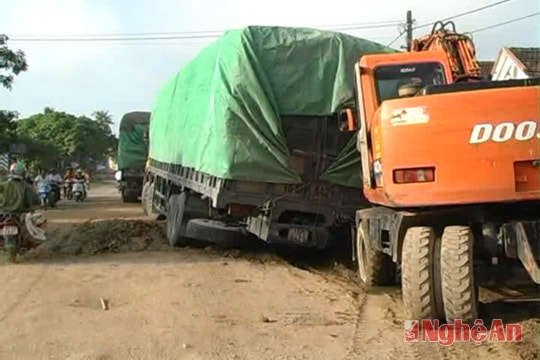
[(390, 79)]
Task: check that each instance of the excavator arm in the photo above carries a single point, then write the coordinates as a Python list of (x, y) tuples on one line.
[(459, 48)]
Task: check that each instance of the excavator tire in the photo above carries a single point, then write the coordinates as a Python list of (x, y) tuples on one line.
[(417, 273), (459, 291), (374, 267)]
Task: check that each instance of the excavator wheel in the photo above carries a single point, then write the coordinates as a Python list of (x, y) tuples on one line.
[(417, 273), (459, 290), (374, 267)]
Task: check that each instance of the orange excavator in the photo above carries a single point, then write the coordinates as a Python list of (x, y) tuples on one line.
[(459, 49), (451, 166)]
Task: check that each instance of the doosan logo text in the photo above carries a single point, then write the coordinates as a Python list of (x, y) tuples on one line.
[(505, 131)]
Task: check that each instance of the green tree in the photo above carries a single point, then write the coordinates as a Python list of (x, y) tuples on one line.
[(53, 136), (12, 63), (103, 118), (7, 129)]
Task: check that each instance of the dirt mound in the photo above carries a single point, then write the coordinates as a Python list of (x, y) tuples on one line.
[(109, 236)]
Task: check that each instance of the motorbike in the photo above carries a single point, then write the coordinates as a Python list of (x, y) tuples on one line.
[(11, 232), (79, 190), (54, 194), (44, 191), (68, 189)]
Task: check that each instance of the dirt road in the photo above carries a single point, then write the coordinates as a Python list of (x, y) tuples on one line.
[(201, 302)]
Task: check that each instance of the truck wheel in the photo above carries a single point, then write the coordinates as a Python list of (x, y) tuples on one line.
[(417, 273), (459, 290), (175, 217), (374, 267)]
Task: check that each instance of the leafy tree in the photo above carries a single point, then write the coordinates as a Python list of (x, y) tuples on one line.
[(12, 63), (53, 136), (7, 129), (103, 118)]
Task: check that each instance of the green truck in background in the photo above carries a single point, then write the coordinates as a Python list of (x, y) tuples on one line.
[(248, 138), (132, 154)]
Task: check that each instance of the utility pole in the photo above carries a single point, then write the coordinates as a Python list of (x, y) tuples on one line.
[(409, 30)]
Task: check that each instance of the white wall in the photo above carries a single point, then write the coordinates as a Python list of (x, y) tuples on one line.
[(506, 68)]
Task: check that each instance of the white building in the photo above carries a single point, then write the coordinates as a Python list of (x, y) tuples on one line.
[(516, 63)]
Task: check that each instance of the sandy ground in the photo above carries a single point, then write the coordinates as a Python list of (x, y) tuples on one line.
[(201, 302)]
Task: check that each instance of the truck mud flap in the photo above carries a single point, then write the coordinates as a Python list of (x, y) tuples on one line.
[(175, 219), (518, 239)]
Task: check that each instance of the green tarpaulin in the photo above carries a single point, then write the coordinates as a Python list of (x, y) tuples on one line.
[(132, 149), (221, 113)]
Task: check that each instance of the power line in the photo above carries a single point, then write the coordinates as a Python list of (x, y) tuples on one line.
[(104, 39), (179, 35), (200, 32), (505, 22), (396, 38), (464, 13), (451, 17)]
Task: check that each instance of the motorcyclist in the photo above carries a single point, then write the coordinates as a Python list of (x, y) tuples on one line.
[(70, 174), (41, 181), (15, 187), (18, 197), (79, 175), (68, 180), (55, 180)]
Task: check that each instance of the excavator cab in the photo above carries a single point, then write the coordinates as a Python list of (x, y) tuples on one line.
[(398, 80)]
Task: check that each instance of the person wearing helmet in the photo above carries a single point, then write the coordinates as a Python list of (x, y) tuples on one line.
[(68, 182), (55, 180), (17, 201), (79, 175), (17, 194)]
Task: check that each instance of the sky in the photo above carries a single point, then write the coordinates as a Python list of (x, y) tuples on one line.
[(120, 76)]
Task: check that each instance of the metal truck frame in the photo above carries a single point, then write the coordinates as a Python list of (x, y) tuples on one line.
[(207, 207)]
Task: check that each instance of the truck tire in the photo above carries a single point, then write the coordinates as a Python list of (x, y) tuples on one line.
[(374, 268), (459, 290), (176, 207), (417, 273), (216, 232)]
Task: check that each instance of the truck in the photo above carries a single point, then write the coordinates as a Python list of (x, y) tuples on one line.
[(247, 140), (451, 167), (132, 154)]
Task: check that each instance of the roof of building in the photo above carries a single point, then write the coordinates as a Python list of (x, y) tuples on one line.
[(486, 67), (529, 57)]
